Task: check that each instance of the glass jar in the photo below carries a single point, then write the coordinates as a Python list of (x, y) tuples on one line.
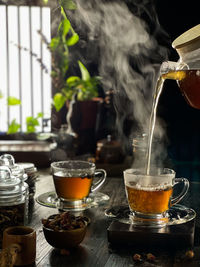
[(32, 174), (25, 171), (13, 200)]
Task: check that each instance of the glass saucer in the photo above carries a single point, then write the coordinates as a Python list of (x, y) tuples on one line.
[(50, 200), (177, 214)]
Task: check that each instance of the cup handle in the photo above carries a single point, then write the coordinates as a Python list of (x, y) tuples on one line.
[(101, 180), (11, 254), (184, 191)]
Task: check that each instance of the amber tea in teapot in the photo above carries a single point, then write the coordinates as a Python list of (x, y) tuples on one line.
[(189, 84), (187, 71)]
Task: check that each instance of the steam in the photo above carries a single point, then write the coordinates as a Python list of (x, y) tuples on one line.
[(128, 54)]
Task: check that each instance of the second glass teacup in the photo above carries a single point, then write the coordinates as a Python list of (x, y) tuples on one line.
[(151, 196), (73, 181)]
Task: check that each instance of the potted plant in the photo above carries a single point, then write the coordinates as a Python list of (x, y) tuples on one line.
[(78, 93)]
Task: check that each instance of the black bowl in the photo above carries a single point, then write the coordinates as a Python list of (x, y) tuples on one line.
[(64, 239)]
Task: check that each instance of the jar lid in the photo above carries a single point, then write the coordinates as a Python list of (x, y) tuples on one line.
[(28, 167), (7, 180), (188, 41), (7, 160), (16, 170), (13, 193)]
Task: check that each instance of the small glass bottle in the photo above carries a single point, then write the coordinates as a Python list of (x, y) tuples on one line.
[(159, 156), (13, 200), (139, 151)]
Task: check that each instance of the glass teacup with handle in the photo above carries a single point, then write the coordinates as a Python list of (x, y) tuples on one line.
[(151, 196), (74, 180)]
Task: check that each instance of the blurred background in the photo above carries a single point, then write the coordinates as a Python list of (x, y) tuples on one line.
[(121, 46)]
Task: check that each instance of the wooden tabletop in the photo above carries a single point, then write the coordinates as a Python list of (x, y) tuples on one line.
[(95, 249)]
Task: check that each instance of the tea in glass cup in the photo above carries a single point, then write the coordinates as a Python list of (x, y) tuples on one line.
[(74, 181), (150, 196)]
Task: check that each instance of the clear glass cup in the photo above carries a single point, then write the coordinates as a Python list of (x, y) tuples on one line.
[(151, 196), (74, 180)]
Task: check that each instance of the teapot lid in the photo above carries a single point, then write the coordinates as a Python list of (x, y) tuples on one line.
[(188, 41), (7, 179)]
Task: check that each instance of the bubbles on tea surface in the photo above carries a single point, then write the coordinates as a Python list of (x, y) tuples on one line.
[(150, 187), (67, 174), (132, 184)]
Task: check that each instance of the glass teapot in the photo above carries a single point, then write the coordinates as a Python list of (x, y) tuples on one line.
[(187, 70)]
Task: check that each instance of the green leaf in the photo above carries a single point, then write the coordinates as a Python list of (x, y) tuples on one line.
[(73, 79), (31, 124), (40, 115), (13, 127), (64, 27), (12, 101), (32, 121), (80, 96), (1, 95), (54, 43), (62, 11), (69, 94), (30, 128), (72, 40), (84, 72), (45, 2), (58, 101), (68, 4)]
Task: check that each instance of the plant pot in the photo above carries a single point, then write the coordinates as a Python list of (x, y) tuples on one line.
[(82, 117)]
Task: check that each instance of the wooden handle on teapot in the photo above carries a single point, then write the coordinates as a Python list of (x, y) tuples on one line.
[(8, 255)]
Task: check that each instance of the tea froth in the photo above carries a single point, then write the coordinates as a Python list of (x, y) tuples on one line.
[(150, 187), (67, 174)]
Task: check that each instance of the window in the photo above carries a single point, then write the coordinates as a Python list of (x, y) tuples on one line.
[(21, 74)]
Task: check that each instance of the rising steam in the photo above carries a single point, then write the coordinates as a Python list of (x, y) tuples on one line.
[(127, 52)]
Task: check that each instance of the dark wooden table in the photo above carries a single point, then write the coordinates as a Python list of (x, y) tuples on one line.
[(95, 249)]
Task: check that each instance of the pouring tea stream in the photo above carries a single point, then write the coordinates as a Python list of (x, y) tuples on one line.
[(187, 74)]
